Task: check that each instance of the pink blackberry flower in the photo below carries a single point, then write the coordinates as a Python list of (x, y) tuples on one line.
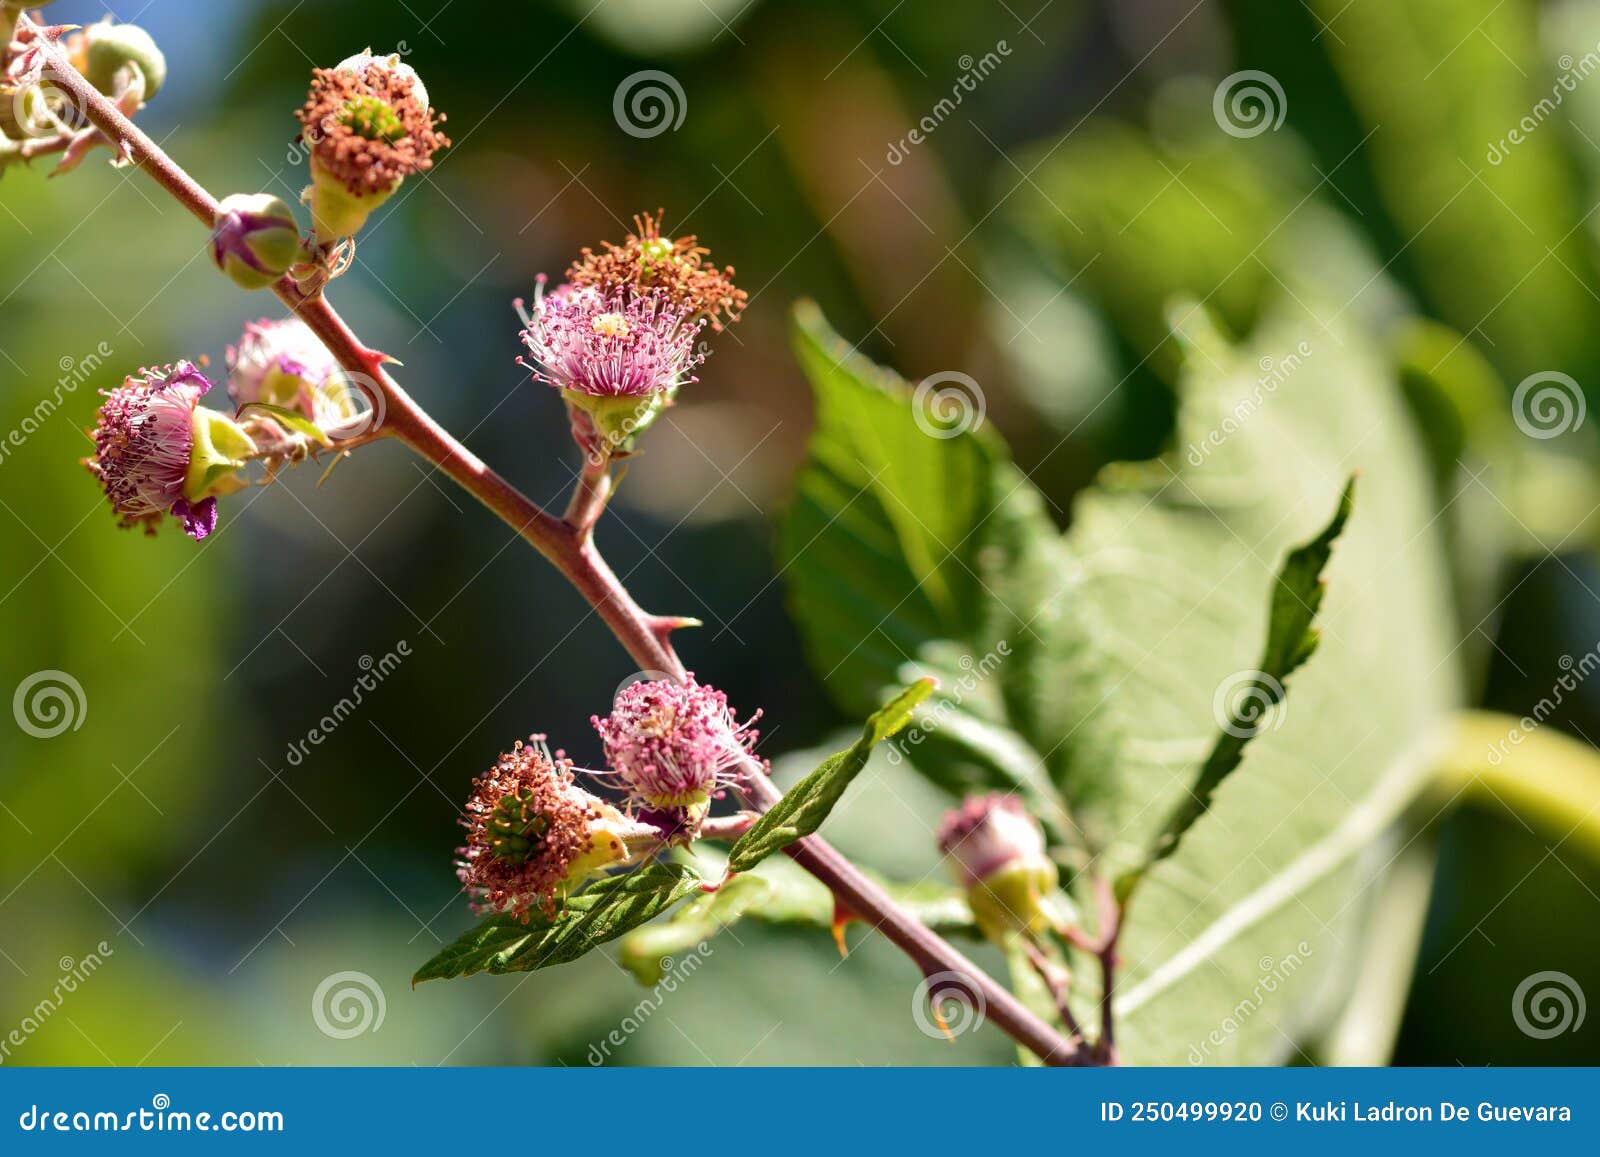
[(997, 852), (533, 834), (146, 451), (622, 344), (675, 746), (276, 361)]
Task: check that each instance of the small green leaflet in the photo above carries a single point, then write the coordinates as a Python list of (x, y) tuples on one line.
[(603, 911), (296, 422), (802, 810), (1291, 640)]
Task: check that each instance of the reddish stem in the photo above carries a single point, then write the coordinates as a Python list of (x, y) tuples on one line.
[(572, 551)]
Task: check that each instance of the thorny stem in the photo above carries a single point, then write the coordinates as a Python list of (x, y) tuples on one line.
[(572, 551), (1057, 980), (1111, 918)]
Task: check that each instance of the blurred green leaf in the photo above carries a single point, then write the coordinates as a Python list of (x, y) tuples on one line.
[(1489, 222), (779, 892), (1291, 640), (1147, 612), (909, 554)]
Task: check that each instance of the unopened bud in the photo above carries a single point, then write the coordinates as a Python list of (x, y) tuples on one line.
[(997, 852), (116, 55), (255, 239)]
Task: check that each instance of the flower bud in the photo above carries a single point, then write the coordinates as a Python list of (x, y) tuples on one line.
[(116, 55), (368, 127), (255, 239), (533, 835), (997, 852)]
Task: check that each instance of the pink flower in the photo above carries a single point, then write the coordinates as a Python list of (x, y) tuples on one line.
[(988, 833), (282, 363), (675, 745), (624, 344), (533, 834), (143, 443)]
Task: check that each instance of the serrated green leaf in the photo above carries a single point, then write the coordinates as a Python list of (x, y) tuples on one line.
[(1137, 616), (603, 911), (806, 805), (296, 422), (1291, 640), (908, 555)]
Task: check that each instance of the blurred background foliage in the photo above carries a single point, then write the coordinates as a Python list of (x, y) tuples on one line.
[(1032, 241)]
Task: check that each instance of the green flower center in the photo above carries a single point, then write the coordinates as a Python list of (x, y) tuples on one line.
[(372, 118), (654, 250), (515, 829)]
